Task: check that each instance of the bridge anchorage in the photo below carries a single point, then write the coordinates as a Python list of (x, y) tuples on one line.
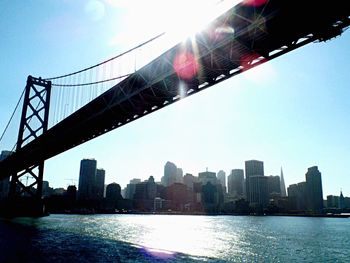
[(25, 195)]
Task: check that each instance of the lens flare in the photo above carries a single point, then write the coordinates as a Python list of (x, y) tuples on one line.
[(158, 254), (185, 65), (255, 3), (247, 61)]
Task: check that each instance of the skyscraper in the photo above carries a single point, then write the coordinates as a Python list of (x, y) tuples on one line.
[(130, 188), (283, 186), (179, 175), (205, 177), (235, 183), (252, 168), (222, 179), (314, 189), (258, 191), (297, 194), (87, 177), (100, 183), (170, 174), (189, 179), (273, 185)]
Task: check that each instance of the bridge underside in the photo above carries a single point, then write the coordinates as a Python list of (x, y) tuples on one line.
[(243, 37)]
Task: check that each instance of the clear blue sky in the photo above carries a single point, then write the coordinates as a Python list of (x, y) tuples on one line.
[(291, 112)]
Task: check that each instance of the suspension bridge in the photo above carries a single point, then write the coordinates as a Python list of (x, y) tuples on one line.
[(62, 112)]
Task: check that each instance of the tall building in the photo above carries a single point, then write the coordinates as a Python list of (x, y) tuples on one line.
[(341, 203), (297, 194), (222, 179), (258, 191), (131, 187), (282, 185), (189, 179), (179, 175), (170, 174), (314, 189), (235, 183), (252, 168), (100, 183), (273, 185), (4, 183), (87, 177), (205, 177)]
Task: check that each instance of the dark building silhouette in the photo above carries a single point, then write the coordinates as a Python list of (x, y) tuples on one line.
[(100, 183), (71, 192), (145, 193), (212, 197), (113, 192), (179, 195), (86, 190), (341, 203), (235, 183), (282, 185), (332, 201), (252, 168), (258, 191), (131, 187), (297, 196), (314, 189), (273, 185)]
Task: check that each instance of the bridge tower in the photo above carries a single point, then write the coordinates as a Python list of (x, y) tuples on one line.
[(27, 184)]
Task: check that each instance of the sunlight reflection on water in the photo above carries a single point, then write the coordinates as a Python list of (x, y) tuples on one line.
[(178, 238)]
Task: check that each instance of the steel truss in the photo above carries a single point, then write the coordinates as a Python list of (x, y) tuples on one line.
[(34, 122)]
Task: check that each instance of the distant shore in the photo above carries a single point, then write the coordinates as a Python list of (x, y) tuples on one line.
[(206, 214)]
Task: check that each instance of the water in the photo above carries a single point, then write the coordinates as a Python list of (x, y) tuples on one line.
[(174, 238)]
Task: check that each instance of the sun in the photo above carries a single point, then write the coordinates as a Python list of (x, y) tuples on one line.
[(179, 19)]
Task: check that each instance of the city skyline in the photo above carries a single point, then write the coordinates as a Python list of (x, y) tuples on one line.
[(294, 120), (252, 171)]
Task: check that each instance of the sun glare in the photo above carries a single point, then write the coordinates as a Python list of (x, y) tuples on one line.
[(179, 19)]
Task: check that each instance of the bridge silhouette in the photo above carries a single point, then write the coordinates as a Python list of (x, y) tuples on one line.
[(249, 34)]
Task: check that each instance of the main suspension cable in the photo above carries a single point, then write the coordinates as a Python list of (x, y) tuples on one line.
[(108, 60), (13, 114)]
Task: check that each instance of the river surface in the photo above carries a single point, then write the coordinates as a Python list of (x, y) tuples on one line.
[(174, 238)]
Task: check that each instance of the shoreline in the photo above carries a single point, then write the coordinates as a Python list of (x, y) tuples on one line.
[(206, 214)]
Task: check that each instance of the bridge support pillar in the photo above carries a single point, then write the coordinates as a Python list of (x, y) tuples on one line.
[(26, 186)]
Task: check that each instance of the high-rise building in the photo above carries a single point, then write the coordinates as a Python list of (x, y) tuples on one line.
[(273, 185), (314, 189), (252, 168), (297, 196), (170, 174), (4, 183), (130, 188), (258, 191), (189, 179), (87, 177), (100, 183), (179, 175), (282, 185), (222, 179), (341, 203), (205, 177), (235, 183)]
